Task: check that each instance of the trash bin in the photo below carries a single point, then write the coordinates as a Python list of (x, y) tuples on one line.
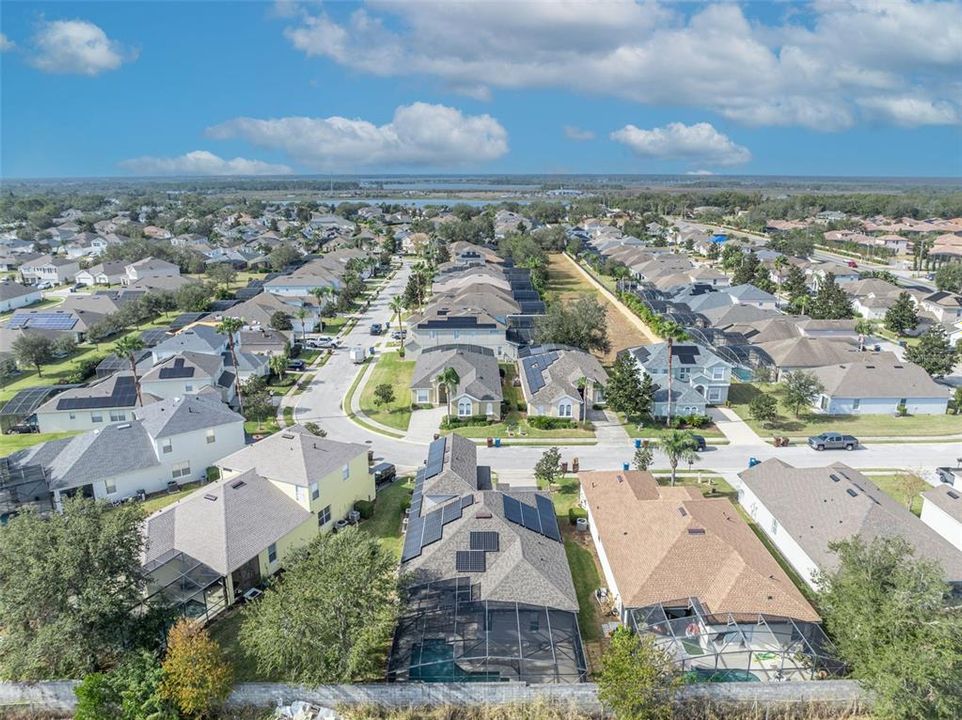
[(490, 442), (753, 461), (497, 442), (645, 443), (574, 465), (625, 466), (637, 443), (437, 435), (564, 468)]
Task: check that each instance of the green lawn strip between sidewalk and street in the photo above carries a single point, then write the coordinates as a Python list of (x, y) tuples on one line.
[(390, 369)]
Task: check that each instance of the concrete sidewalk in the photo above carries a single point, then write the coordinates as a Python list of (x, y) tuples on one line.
[(733, 427)]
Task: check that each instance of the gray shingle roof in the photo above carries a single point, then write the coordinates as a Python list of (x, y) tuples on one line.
[(879, 377), (199, 338), (815, 510), (476, 367), (11, 290), (559, 370), (225, 524), (294, 455), (185, 414)]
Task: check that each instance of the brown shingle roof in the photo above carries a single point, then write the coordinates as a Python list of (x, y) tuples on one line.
[(647, 534)]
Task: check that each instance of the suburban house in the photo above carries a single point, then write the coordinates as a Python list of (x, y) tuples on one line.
[(945, 306), (149, 267), (490, 596), (461, 327), (802, 510), (805, 353), (879, 385), (942, 511), (230, 536), (694, 367), (105, 273), (690, 571), (478, 391), (560, 381), (260, 309), (189, 373), (48, 269), (104, 402), (13, 295), (173, 441)]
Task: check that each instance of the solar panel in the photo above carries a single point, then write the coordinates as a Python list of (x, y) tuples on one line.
[(469, 561), (185, 319), (59, 320), (530, 517), (467, 501), (432, 528), (450, 512), (435, 459), (512, 510), (549, 520), (153, 337), (176, 370), (485, 540), (412, 540)]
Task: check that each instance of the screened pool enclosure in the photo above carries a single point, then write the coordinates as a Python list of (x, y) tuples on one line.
[(448, 635)]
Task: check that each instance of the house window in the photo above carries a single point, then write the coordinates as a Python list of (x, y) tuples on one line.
[(489, 409), (272, 553), (96, 417), (345, 472), (110, 486), (564, 409), (714, 394), (855, 403), (422, 396), (188, 388), (181, 470), (211, 437), (324, 516), (464, 407), (315, 491), (718, 373), (166, 446), (117, 416), (774, 526), (684, 373)]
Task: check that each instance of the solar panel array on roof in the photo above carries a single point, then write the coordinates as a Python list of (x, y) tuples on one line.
[(185, 319), (26, 401), (685, 354), (485, 540), (58, 320), (219, 306), (124, 395), (541, 519), (435, 458), (534, 367), (469, 561), (176, 370), (153, 337), (247, 293)]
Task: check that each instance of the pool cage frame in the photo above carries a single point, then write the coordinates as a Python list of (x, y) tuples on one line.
[(184, 583), (448, 634), (728, 646)]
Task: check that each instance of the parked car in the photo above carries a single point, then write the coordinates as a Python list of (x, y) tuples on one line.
[(296, 365), (376, 328), (399, 334), (700, 443), (948, 475), (852, 264), (833, 441), (321, 343), (358, 355), (383, 473), (22, 429)]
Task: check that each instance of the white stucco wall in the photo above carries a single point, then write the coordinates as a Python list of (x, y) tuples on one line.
[(80, 420), (22, 301), (881, 406), (943, 523)]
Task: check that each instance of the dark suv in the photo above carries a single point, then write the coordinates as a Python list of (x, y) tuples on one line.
[(833, 441)]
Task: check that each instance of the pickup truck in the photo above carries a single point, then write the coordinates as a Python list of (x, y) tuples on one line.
[(833, 441)]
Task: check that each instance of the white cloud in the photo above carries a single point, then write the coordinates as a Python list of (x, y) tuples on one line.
[(699, 172), (707, 56), (418, 135), (698, 144), (201, 162), (910, 111), (576, 133), (6, 43), (76, 47)]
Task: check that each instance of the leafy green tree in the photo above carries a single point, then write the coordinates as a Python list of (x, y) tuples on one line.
[(33, 349), (801, 388), (763, 408), (902, 315), (231, 327), (130, 691), (222, 273), (303, 631), (679, 446), (638, 679), (281, 320), (933, 352), (831, 302), (8, 370), (258, 404), (795, 286), (763, 280), (384, 394), (643, 457), (949, 277), (746, 269), (626, 392), (731, 256), (548, 468), (68, 583), (887, 613), (282, 256), (582, 324), (278, 365), (64, 345), (192, 297)]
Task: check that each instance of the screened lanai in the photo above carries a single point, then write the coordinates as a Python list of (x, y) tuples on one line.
[(448, 635), (185, 584), (725, 648)]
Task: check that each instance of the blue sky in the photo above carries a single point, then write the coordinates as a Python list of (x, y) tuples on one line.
[(153, 88)]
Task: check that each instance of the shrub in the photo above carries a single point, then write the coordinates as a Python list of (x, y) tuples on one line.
[(697, 421), (544, 422), (575, 513), (522, 406), (451, 421), (84, 369), (213, 473), (366, 508), (197, 675)]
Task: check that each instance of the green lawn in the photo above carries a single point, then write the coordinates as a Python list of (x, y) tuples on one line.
[(519, 423), (584, 572), (397, 373), (905, 488), (862, 426), (333, 325), (385, 525), (711, 486), (225, 630), (12, 443), (253, 427), (288, 416), (654, 430), (155, 503)]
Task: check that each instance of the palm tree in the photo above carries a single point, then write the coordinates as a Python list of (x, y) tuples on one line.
[(128, 347), (678, 445), (449, 378), (302, 314), (397, 306), (320, 293), (278, 365), (230, 326), (671, 331), (583, 384)]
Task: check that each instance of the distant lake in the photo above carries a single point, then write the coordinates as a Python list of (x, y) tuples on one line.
[(418, 202)]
